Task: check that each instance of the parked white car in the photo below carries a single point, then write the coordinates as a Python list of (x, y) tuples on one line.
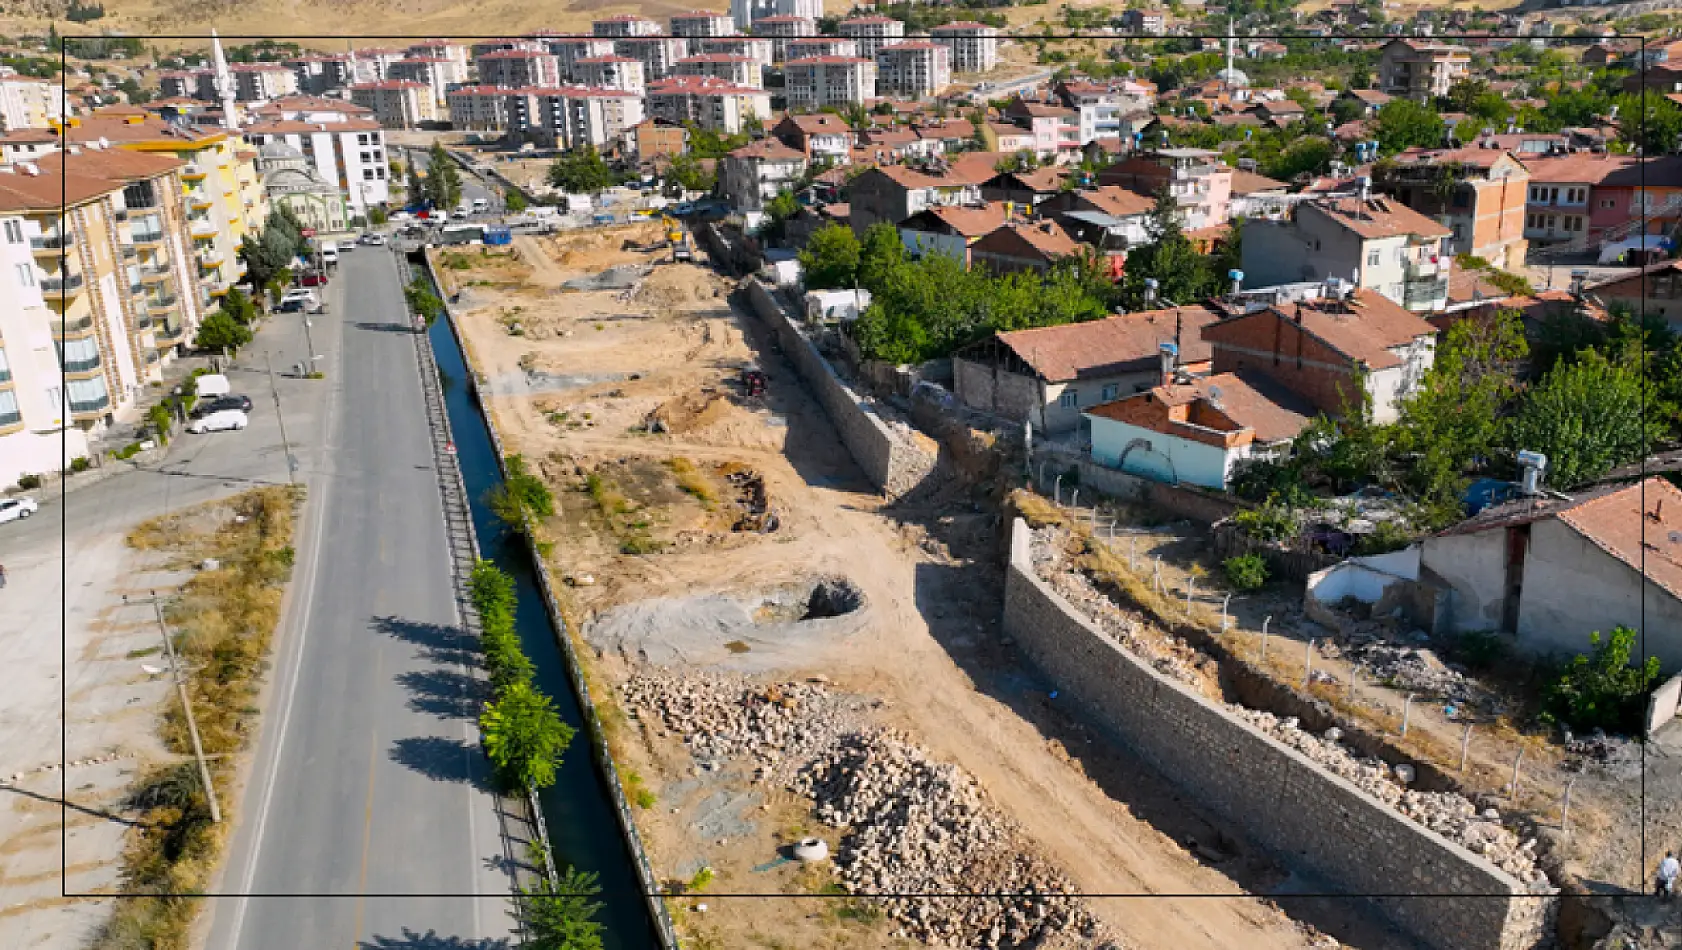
[(299, 293), (16, 509), (218, 421)]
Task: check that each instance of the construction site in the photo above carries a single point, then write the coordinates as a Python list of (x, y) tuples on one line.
[(806, 688)]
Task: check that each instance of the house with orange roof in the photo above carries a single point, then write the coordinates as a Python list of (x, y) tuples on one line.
[(1548, 571), (1373, 242), (1479, 193), (950, 229)]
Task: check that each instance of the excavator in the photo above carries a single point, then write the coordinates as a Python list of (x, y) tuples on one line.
[(677, 235)]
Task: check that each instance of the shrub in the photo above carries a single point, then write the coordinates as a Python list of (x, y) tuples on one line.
[(1386, 536), (80, 463), (1601, 690), (560, 916), (1246, 572), (1271, 521), (28, 482), (524, 736)]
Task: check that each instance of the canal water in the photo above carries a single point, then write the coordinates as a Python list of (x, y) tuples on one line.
[(582, 828)]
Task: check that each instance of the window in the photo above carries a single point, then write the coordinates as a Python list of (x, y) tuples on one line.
[(1530, 220), (1069, 400), (26, 274), (1110, 391), (367, 174), (14, 232), (1372, 258)]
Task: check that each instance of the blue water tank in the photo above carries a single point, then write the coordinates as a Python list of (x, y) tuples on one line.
[(498, 235)]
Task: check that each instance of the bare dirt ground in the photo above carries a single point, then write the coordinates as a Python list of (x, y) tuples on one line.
[(648, 514)]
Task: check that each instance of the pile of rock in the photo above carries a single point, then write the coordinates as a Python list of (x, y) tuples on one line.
[(922, 827), (1447, 813), (911, 825)]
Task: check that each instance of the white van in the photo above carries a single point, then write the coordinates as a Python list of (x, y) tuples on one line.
[(213, 385), (481, 204), (329, 252), (219, 420)]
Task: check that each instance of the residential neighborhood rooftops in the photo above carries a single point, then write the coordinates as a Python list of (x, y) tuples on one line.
[(1364, 326), (1229, 402), (1123, 343), (1377, 217), (33, 187), (767, 148)]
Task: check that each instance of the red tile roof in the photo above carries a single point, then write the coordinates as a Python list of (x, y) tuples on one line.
[(1126, 343), (1365, 327)]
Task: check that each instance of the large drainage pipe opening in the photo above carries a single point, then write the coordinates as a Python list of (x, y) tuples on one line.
[(832, 597)]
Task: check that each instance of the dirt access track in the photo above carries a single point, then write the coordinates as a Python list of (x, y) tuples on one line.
[(633, 408)]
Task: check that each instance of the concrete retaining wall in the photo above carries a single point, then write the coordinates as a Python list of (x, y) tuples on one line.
[(895, 465), (1309, 819)]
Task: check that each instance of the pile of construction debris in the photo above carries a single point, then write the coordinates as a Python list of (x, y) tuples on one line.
[(626, 277), (1449, 814), (1416, 669), (1169, 654), (912, 825), (753, 506)]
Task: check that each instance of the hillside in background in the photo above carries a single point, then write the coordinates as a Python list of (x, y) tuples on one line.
[(283, 19)]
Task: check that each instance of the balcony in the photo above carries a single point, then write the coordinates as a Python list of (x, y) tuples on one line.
[(75, 326), (90, 406), (63, 286), (193, 172), (143, 322), (50, 244), (121, 214), (153, 272), (1424, 270), (85, 366), (171, 334), (198, 201), (1422, 294), (5, 374), (210, 258), (13, 418), (202, 228), (144, 237), (163, 304), (130, 252)]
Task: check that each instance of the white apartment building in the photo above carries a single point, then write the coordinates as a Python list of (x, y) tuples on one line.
[(26, 145), (913, 70), (260, 82), (829, 81), (611, 72), (348, 151), (440, 49), (569, 50), (573, 116), (482, 47), (747, 13), (479, 108), (813, 47), (975, 46), (659, 54), (318, 75), (781, 29), (1107, 110), (755, 173), (435, 72), (701, 24), (737, 70), (871, 33), (180, 83), (710, 103), (756, 48), (396, 103), (34, 437), (29, 103), (372, 64), (518, 68), (625, 25)]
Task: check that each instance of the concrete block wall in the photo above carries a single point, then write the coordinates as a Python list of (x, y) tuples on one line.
[(1308, 818), (893, 464)]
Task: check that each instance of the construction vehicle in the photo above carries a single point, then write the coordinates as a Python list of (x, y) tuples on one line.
[(677, 237)]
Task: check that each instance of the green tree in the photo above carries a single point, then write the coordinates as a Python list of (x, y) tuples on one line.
[(522, 499), (782, 207), (220, 332), (1603, 690), (1587, 417), (421, 300), (524, 736), (443, 179), (514, 200), (1182, 274), (687, 172), (239, 307), (1403, 123), (1651, 123), (1457, 415), (880, 256), (561, 915), (1347, 110), (830, 258), (581, 172), (416, 185), (1310, 155)]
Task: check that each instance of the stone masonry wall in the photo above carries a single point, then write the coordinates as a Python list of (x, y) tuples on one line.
[(893, 464), (1308, 818)]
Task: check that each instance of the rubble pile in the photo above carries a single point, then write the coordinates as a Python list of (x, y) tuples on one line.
[(1399, 665), (911, 825), (921, 827), (1447, 813)]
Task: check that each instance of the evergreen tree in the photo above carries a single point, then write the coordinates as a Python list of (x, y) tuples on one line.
[(1183, 275)]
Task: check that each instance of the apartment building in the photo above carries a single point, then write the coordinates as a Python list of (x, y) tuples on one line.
[(914, 70), (752, 175), (813, 47), (780, 30), (479, 108), (829, 81), (712, 104), (659, 54), (871, 33), (220, 176), (519, 68), (702, 24), (29, 103), (626, 25), (396, 103), (34, 436), (975, 46), (1419, 69), (26, 145), (1562, 200), (1479, 193), (1107, 110), (318, 75), (1145, 22), (348, 152), (437, 73), (536, 41), (756, 48), (653, 139), (1193, 176), (611, 72), (374, 64), (574, 116), (260, 82), (179, 83), (440, 49), (1375, 243), (748, 13), (736, 70), (570, 50)]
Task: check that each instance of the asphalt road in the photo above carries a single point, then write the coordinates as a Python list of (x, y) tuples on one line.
[(367, 778)]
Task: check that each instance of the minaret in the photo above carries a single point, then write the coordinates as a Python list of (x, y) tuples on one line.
[(1231, 44), (224, 83)]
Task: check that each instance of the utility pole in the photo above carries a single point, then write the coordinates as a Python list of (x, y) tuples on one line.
[(187, 707), (286, 444)]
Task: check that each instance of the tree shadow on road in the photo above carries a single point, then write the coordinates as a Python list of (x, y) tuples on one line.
[(447, 694), (443, 760), (438, 642), (432, 940)]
